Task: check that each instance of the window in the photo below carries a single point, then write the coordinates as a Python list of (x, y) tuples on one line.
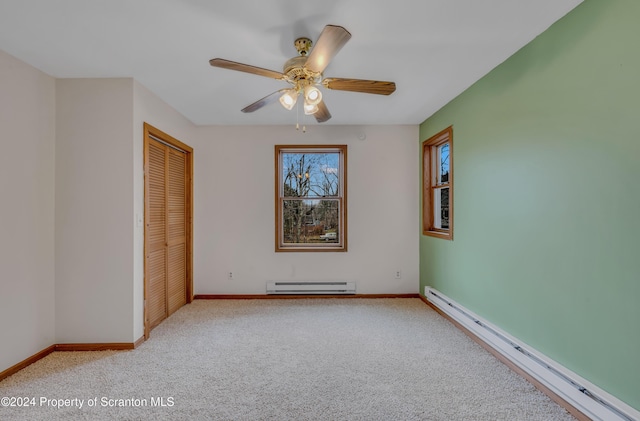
[(311, 198), (437, 194)]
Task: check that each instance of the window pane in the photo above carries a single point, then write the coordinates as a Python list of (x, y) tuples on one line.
[(310, 221), (437, 183), (441, 208), (310, 174), (443, 163)]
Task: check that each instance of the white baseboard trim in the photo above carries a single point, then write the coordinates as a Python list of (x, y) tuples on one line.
[(578, 392)]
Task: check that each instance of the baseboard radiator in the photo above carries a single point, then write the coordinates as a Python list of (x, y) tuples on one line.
[(311, 288), (578, 392)]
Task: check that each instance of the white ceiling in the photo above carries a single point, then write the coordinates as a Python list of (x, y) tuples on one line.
[(432, 49)]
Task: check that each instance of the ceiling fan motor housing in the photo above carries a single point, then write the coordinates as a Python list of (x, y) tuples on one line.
[(297, 74)]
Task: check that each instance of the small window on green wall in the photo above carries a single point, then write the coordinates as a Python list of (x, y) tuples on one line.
[(437, 184)]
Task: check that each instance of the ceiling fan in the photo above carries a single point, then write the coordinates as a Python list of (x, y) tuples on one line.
[(304, 74)]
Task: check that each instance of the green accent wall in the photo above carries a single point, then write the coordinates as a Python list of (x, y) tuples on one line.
[(547, 196)]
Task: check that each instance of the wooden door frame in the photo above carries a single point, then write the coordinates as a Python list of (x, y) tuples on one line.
[(151, 132)]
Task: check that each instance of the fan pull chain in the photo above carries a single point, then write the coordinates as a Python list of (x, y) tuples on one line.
[(304, 127)]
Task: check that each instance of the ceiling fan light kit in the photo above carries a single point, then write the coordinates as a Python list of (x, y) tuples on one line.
[(289, 98), (310, 109), (304, 74), (312, 95)]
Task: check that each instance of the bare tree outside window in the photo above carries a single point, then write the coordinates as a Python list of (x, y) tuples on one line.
[(310, 194)]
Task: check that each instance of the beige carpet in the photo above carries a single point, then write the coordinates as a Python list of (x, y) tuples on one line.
[(309, 359)]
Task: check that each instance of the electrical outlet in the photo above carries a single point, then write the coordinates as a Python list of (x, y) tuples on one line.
[(398, 274), (230, 276)]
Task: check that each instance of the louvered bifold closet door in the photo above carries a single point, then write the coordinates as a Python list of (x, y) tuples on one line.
[(156, 296), (176, 231)]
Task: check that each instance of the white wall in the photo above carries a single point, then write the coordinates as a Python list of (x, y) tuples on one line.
[(148, 108), (93, 212), (27, 170), (234, 209)]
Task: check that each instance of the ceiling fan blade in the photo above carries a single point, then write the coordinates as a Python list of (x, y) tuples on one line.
[(360, 85), (323, 113), (269, 99), (330, 41), (232, 65)]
